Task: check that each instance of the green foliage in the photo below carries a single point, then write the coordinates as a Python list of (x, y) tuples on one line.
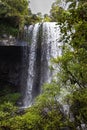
[(73, 62), (7, 111), (46, 18), (8, 94), (35, 18), (12, 15), (49, 108), (74, 56), (54, 11), (45, 114), (14, 7), (5, 29), (10, 97), (78, 106)]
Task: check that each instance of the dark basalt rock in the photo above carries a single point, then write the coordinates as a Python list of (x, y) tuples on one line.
[(13, 67)]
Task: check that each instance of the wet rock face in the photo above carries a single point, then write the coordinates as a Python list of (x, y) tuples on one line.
[(6, 40), (12, 66)]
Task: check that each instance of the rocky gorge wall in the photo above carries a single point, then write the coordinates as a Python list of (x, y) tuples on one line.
[(13, 67)]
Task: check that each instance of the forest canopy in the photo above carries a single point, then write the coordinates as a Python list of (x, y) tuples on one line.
[(12, 14)]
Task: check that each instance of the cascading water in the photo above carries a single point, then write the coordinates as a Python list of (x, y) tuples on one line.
[(32, 54), (44, 45), (50, 49)]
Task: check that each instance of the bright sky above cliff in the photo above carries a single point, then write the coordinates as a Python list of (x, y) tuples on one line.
[(42, 6)]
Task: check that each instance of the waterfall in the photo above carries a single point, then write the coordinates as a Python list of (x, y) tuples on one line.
[(44, 45), (32, 57), (50, 49)]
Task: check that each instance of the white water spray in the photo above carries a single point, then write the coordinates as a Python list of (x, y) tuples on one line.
[(49, 47)]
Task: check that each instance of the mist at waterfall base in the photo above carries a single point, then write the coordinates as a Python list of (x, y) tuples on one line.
[(43, 46)]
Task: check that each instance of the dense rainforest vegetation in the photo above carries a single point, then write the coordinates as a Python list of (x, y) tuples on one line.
[(15, 14), (46, 113)]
